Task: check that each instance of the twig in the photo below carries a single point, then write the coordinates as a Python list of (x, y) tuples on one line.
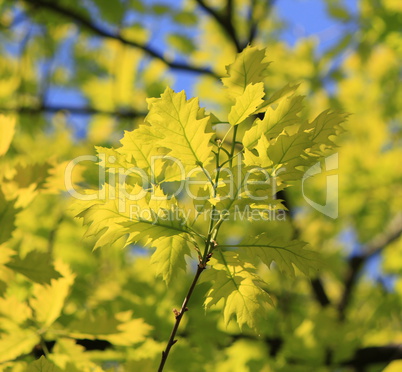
[(71, 109), (179, 316), (224, 21)]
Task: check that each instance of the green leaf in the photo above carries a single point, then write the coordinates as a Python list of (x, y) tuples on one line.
[(288, 148), (235, 282), (8, 211), (286, 254), (36, 266), (25, 175), (275, 120), (238, 188), (14, 309), (169, 256), (286, 91), (185, 18), (139, 148), (7, 130), (20, 341), (246, 104), (143, 216), (181, 43), (120, 329), (111, 12), (48, 300), (42, 365), (184, 133), (71, 357), (248, 68), (324, 126), (160, 9), (260, 159)]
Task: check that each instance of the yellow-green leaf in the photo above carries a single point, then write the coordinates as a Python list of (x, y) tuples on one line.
[(184, 133), (7, 130), (48, 300), (20, 341), (42, 365), (169, 256), (120, 329), (247, 103), (324, 126), (275, 120), (285, 254), (248, 68), (8, 212), (36, 266), (235, 282)]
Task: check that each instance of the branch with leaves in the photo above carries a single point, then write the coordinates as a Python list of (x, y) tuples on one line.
[(178, 130)]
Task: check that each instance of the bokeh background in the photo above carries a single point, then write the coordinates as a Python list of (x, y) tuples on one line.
[(75, 74)]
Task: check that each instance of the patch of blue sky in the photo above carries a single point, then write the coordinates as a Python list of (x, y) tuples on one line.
[(373, 272), (306, 18), (136, 250), (348, 238), (309, 18), (60, 96), (160, 26)]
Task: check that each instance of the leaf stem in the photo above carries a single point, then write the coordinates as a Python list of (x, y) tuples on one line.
[(233, 145)]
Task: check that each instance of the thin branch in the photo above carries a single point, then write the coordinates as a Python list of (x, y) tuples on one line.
[(179, 316), (224, 21), (129, 114), (356, 263), (89, 25)]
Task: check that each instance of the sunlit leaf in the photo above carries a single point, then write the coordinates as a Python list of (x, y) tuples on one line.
[(235, 282), (286, 254), (48, 300), (169, 256), (7, 130), (246, 103), (248, 68), (8, 213), (20, 341)]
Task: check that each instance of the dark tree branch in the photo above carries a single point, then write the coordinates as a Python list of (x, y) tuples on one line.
[(356, 263), (129, 114), (224, 21), (89, 25), (319, 292), (374, 355)]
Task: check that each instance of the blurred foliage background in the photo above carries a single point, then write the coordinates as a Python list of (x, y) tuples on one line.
[(75, 74)]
